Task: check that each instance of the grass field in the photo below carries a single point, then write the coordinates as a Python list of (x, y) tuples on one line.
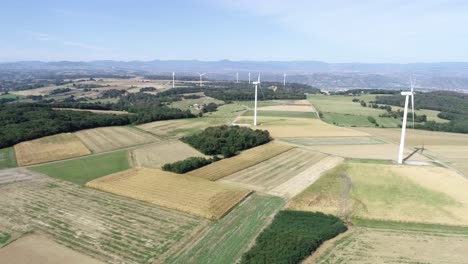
[(170, 129), (110, 138), (38, 249), (278, 113), (10, 96), (7, 158), (185, 193), (271, 173), (389, 192), (86, 169), (367, 245), (247, 158), (52, 148), (228, 238), (348, 120), (105, 226), (158, 154)]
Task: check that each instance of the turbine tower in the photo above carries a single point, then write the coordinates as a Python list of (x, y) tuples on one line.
[(249, 77), (405, 115), (201, 78), (255, 107), (237, 77), (173, 79), (284, 79)]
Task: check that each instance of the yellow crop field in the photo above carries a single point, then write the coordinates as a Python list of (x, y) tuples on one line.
[(280, 127), (110, 138), (52, 148), (421, 194), (181, 192), (160, 153), (247, 158)]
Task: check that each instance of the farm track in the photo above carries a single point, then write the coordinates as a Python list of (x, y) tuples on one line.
[(105, 226)]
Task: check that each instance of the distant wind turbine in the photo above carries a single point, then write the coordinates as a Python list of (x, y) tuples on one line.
[(237, 77), (201, 78), (405, 115), (173, 79), (255, 107), (249, 77), (284, 79)]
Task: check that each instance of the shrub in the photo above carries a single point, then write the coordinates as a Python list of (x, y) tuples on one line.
[(188, 164)]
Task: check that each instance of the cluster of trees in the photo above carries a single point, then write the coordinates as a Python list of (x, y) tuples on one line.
[(147, 89), (227, 140), (399, 114), (355, 92), (211, 107), (60, 90), (114, 93), (188, 164), (452, 106), (293, 236)]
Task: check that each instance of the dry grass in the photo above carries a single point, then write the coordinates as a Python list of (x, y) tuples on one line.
[(301, 127), (181, 192), (110, 138), (52, 148), (455, 156), (38, 249), (250, 157), (158, 154), (286, 174), (420, 194), (18, 174)]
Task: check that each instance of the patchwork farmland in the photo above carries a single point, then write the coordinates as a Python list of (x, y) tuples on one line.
[(52, 148), (111, 138), (247, 158), (185, 193), (158, 154), (104, 226)]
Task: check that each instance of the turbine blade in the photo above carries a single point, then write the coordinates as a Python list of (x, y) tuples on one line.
[(412, 105)]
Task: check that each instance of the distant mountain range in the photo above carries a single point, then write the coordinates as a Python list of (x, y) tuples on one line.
[(444, 75)]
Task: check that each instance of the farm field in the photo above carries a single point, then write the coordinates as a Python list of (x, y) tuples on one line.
[(228, 238), (333, 141), (421, 194), (245, 159), (279, 113), (85, 169), (7, 158), (160, 153), (51, 148), (171, 129), (301, 127), (17, 174), (106, 227), (273, 172), (368, 245), (110, 138), (348, 120), (181, 192), (38, 249)]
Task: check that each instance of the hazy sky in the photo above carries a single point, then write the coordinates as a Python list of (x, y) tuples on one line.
[(332, 31)]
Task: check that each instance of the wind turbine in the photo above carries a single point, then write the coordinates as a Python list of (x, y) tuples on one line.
[(237, 77), (173, 79), (249, 77), (405, 115), (284, 79), (201, 79), (255, 107)]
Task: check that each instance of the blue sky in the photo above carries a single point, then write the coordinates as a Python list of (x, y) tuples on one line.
[(332, 31)]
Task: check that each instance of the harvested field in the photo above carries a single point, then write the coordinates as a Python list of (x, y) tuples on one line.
[(38, 249), (247, 158), (455, 156), (52, 148), (185, 193), (85, 169), (420, 194), (270, 175), (369, 151), (333, 141), (110, 138), (16, 175), (101, 225), (7, 158), (301, 127), (158, 154), (109, 112), (366, 245), (228, 238)]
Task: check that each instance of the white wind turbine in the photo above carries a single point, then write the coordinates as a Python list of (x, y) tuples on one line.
[(201, 78), (237, 77), (255, 107), (405, 114), (284, 79), (249, 77), (173, 79)]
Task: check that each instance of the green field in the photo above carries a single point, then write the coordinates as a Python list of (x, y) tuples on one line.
[(10, 96), (82, 170), (286, 114), (348, 120), (228, 238), (251, 104), (7, 158)]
